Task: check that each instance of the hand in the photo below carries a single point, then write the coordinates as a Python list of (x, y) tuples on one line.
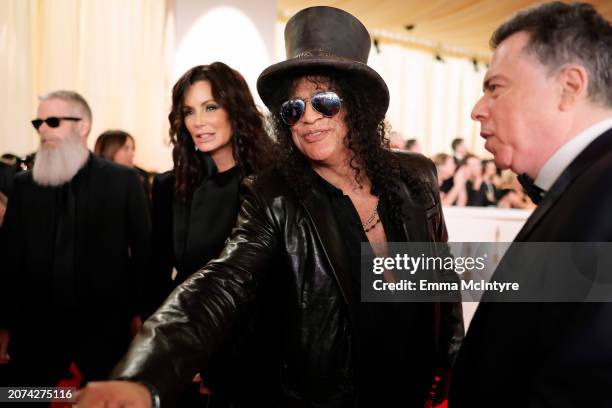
[(4, 341), (202, 388), (113, 394)]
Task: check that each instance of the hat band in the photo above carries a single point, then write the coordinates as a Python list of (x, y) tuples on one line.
[(319, 52)]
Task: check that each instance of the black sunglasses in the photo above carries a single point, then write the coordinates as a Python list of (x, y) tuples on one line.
[(52, 121), (326, 103)]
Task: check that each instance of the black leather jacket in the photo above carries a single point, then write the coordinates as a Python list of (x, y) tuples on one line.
[(315, 360)]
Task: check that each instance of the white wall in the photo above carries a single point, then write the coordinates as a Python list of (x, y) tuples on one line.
[(240, 33)]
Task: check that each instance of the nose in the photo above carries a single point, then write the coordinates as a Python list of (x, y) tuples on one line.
[(479, 111), (43, 128), (310, 114), (200, 118)]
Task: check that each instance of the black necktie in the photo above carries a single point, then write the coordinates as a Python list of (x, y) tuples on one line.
[(534, 192)]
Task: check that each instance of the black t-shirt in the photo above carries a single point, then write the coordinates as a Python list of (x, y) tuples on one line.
[(383, 353)]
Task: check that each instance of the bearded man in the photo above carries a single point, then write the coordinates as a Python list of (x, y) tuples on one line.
[(77, 236)]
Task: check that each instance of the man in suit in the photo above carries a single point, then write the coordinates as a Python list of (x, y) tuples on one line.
[(546, 113), (77, 236)]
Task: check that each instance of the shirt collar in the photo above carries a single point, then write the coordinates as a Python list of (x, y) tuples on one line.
[(554, 166)]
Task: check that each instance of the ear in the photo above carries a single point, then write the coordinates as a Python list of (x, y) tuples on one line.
[(84, 128), (574, 86)]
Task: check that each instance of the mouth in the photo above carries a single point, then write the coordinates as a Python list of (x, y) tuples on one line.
[(315, 135), (486, 134), (48, 142), (205, 137)]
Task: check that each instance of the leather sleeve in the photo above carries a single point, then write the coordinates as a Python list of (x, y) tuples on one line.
[(190, 326)]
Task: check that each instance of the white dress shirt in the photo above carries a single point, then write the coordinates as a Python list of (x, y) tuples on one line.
[(562, 158)]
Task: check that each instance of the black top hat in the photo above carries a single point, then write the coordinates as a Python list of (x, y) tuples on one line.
[(323, 39)]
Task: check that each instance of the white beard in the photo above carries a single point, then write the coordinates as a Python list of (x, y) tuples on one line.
[(56, 166)]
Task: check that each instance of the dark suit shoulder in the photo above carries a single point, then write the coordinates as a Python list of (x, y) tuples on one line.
[(23, 177), (164, 179), (112, 168), (163, 184)]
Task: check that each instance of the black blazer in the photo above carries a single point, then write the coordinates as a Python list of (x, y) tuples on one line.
[(314, 296), (111, 249), (548, 354)]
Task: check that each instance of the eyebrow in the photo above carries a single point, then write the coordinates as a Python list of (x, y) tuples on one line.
[(203, 103), (487, 82)]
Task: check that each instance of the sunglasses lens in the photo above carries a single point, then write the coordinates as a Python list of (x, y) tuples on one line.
[(291, 111), (326, 103), (36, 123), (53, 122)]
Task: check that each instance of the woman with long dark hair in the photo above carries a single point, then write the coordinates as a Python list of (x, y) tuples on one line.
[(218, 138)]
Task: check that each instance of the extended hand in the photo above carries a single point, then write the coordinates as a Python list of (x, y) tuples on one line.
[(113, 394)]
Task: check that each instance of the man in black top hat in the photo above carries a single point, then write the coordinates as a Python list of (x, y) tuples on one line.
[(77, 235), (334, 187)]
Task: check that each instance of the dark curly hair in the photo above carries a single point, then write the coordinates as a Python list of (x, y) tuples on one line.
[(252, 148), (367, 140)]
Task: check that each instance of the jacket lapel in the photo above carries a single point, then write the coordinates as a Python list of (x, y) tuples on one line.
[(320, 211), (585, 159), (414, 218)]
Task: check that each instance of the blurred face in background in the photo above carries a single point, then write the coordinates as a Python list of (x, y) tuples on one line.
[(447, 169), (474, 167), (125, 154), (489, 169)]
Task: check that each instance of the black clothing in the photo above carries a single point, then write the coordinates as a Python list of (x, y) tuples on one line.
[(548, 354), (315, 295), (188, 235), (384, 349), (477, 198), (76, 259), (447, 185)]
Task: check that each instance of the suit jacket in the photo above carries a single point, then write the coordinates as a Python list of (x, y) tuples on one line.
[(548, 354), (111, 235), (315, 294)]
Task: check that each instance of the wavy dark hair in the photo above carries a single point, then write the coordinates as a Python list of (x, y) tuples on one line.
[(366, 139), (252, 148)]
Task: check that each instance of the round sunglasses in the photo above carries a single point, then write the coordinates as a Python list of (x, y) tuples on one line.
[(326, 103), (52, 121)]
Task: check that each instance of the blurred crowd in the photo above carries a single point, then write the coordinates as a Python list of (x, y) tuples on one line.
[(466, 179)]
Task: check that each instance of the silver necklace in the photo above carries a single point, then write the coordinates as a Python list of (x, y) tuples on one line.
[(372, 218)]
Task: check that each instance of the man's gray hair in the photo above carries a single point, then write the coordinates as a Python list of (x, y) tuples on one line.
[(562, 33), (70, 97)]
